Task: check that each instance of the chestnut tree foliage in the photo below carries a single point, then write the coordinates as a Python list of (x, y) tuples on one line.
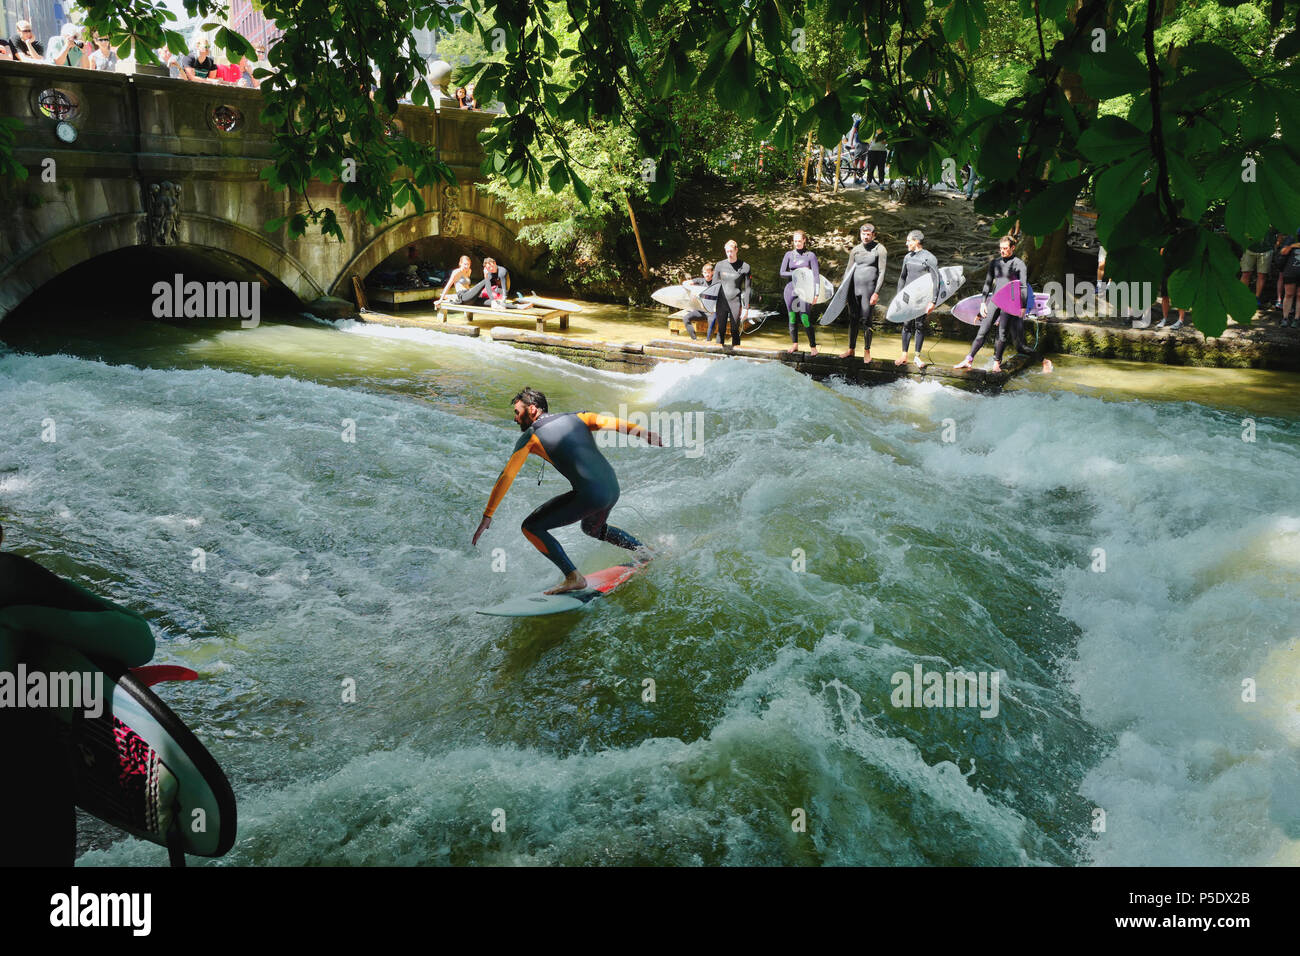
[(1180, 120)]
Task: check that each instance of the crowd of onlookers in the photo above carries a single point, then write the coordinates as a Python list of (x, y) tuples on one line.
[(72, 47)]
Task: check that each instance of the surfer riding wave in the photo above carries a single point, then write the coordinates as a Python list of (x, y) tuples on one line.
[(565, 441)]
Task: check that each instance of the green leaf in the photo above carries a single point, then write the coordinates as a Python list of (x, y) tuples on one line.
[(1110, 139), (1185, 185), (1215, 60), (558, 177), (998, 158), (1051, 207), (1279, 181), (1206, 284), (580, 188), (1113, 73)]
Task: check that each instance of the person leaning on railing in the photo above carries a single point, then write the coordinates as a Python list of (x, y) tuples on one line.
[(26, 46)]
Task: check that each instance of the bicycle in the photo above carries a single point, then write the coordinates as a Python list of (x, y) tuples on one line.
[(826, 168)]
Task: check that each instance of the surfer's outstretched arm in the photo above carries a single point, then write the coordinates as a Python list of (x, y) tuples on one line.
[(505, 480), (609, 422)]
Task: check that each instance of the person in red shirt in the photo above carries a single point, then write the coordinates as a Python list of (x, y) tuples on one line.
[(228, 72)]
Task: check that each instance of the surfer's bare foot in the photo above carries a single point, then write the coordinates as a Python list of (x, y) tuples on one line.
[(866, 356), (848, 354), (901, 360), (812, 351), (965, 363), (573, 581), (997, 366), (793, 348)]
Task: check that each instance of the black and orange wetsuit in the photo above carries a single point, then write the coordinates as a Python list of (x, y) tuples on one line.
[(565, 441)]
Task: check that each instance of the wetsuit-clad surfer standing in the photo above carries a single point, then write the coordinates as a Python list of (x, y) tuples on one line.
[(800, 258), (733, 297), (866, 272), (1001, 270), (565, 441), (917, 261)]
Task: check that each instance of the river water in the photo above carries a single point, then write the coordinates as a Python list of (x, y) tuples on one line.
[(1102, 540)]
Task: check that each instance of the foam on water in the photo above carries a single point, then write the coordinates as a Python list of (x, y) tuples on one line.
[(826, 539)]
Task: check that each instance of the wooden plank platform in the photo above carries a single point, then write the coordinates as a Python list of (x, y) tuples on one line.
[(412, 322), (403, 296)]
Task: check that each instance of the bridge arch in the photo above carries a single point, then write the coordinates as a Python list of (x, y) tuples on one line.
[(240, 249)]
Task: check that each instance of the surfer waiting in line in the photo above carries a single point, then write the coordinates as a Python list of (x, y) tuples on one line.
[(459, 278), (1001, 270), (917, 261), (701, 282), (866, 274), (733, 297), (565, 441), (800, 258)]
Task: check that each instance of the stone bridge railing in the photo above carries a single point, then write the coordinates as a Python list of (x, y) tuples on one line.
[(158, 162)]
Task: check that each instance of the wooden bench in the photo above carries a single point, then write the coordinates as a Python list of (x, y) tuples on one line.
[(540, 315), (677, 324)]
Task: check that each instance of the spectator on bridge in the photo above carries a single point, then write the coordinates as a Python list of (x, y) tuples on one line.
[(104, 57), (227, 72), (461, 99), (470, 102), (6, 50), (26, 46), (65, 49), (261, 63), (246, 78), (199, 67)]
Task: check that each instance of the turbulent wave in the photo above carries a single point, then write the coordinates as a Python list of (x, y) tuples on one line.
[(1128, 568)]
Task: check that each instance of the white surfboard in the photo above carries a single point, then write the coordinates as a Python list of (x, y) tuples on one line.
[(562, 304), (675, 296), (539, 605), (917, 294), (839, 300), (803, 287)]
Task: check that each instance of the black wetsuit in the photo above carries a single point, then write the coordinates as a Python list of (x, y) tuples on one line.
[(733, 296), (999, 273), (494, 286), (868, 277), (915, 263), (565, 441), (689, 318)]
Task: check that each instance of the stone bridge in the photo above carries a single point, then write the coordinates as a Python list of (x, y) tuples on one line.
[(156, 164)]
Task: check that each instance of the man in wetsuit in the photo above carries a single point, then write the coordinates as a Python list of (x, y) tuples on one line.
[(492, 289), (867, 265), (917, 261), (1001, 270), (565, 441), (733, 297)]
